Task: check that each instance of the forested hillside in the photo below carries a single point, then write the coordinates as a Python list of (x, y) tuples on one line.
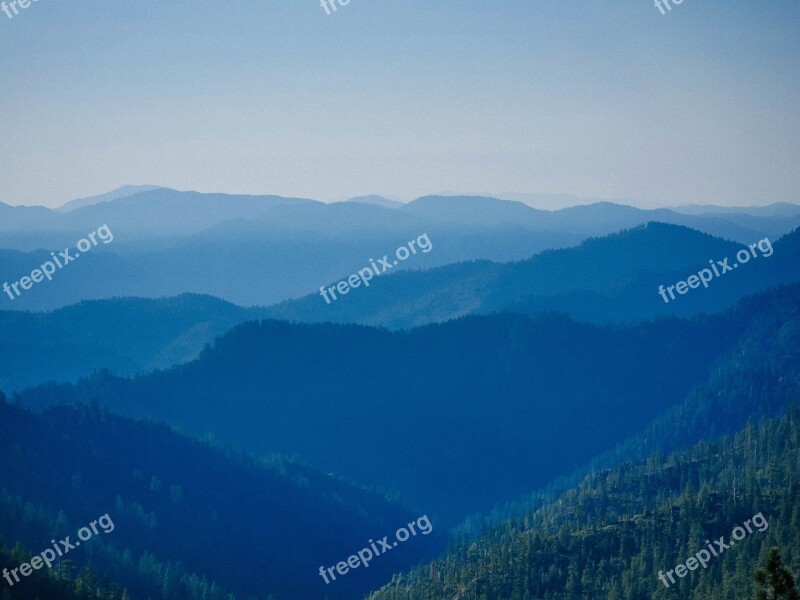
[(611, 535), (613, 279), (192, 521), (758, 378), (60, 584), (125, 335), (421, 412)]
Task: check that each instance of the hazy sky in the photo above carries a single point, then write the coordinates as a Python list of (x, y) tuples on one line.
[(403, 98)]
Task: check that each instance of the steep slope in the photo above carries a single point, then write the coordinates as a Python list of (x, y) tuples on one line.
[(189, 520), (424, 411), (55, 584), (610, 536), (759, 378)]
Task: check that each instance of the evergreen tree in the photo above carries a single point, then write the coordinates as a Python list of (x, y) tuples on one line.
[(775, 580)]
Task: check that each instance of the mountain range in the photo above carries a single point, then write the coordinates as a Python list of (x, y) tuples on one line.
[(414, 412), (260, 250), (606, 280), (614, 279), (526, 386)]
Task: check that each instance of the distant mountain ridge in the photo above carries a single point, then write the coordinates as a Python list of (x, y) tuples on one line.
[(124, 335), (121, 192), (442, 395), (377, 200), (603, 280), (596, 218), (261, 250), (777, 209)]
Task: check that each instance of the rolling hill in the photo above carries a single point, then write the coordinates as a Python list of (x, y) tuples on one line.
[(421, 412), (606, 280), (124, 335), (613, 279)]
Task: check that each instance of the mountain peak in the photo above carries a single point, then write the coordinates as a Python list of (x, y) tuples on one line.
[(120, 192)]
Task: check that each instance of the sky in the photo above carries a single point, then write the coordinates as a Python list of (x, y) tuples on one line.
[(597, 98)]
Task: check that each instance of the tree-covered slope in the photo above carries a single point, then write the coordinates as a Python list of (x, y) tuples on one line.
[(125, 335), (191, 521), (55, 584), (614, 279), (610, 536), (422, 412)]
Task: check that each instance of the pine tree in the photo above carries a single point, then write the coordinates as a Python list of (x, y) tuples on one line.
[(775, 580)]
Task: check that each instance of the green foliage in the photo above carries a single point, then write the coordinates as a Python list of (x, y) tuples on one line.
[(53, 584), (775, 581), (192, 521), (609, 536)]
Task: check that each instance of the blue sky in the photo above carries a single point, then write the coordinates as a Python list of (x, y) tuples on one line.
[(403, 98)]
